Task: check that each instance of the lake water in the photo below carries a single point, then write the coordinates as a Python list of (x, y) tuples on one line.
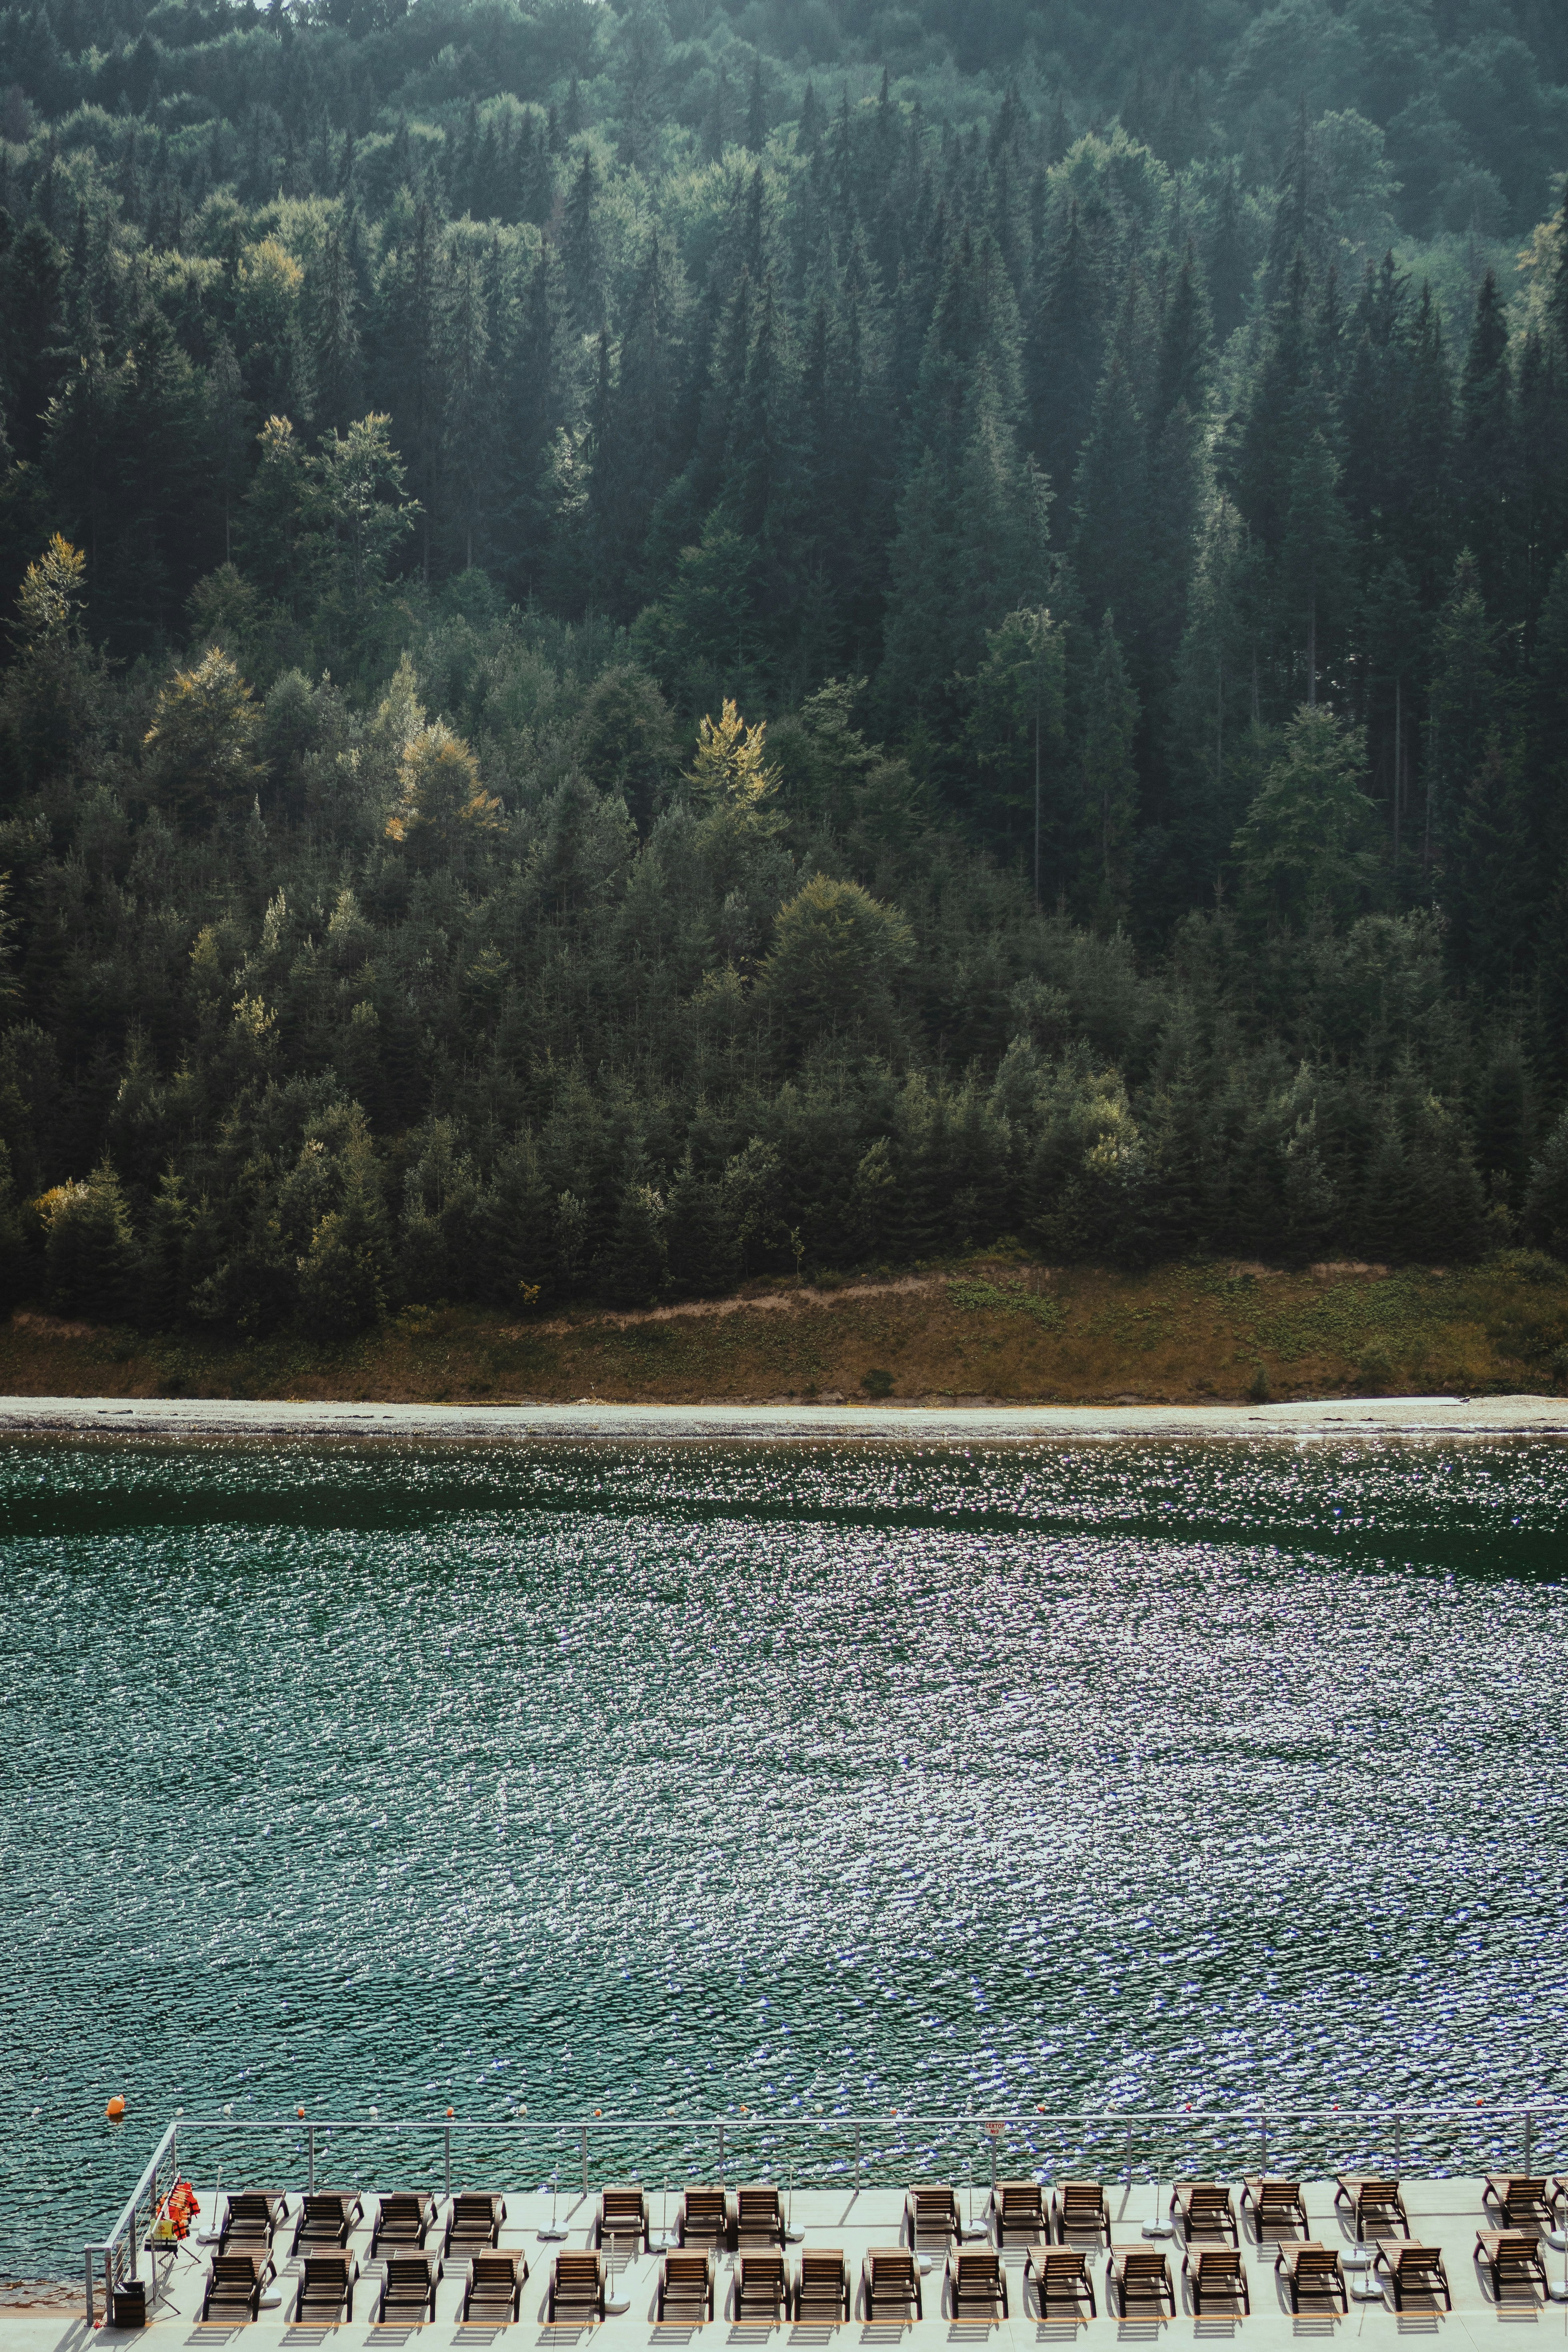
[(673, 1779)]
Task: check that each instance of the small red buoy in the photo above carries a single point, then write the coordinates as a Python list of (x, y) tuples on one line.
[(299, 2110), (115, 2109), (451, 2111)]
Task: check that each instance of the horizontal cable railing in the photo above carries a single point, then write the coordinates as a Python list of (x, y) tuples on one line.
[(1144, 2145)]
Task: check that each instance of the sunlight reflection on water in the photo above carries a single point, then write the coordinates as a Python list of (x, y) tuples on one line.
[(652, 1776)]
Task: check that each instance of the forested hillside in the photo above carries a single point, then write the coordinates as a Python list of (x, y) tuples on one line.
[(654, 642)]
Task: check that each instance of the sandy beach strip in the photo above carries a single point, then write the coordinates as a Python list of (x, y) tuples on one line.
[(179, 1419)]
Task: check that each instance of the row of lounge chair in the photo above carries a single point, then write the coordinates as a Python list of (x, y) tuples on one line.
[(406, 2293), (255, 2217)]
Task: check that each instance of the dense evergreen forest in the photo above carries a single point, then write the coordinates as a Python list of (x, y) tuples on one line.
[(650, 642)]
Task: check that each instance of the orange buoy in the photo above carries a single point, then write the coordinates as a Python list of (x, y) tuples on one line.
[(115, 2109), (299, 2110)]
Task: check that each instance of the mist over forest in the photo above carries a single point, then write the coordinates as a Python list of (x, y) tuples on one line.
[(651, 643)]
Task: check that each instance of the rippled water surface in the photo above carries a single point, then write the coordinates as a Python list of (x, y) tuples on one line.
[(685, 1778)]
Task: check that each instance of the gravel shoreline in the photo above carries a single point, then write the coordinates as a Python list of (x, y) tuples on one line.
[(1424, 1419)]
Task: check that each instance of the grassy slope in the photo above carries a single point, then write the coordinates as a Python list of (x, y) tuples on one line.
[(1003, 1329)]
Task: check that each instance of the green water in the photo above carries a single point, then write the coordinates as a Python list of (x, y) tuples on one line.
[(675, 1778)]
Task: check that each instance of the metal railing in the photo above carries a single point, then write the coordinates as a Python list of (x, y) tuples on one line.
[(1147, 2145)]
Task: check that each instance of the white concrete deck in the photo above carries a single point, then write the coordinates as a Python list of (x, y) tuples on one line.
[(1447, 2212), (1421, 1418)]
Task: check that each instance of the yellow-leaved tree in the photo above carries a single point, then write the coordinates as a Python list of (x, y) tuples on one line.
[(731, 773), (49, 704), (200, 749), (441, 802)]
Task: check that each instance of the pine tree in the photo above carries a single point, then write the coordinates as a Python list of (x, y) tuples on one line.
[(582, 249), (409, 343), (1110, 513), (533, 405), (1283, 408), (1421, 493), (1109, 780), (1305, 842), (1396, 636), (1316, 556), (1463, 710), (633, 439), (1182, 370), (1541, 417), (756, 110), (1227, 267), (332, 308), (468, 378), (1487, 453), (1063, 359), (974, 322)]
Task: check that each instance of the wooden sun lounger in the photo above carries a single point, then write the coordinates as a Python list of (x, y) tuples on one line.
[(933, 2212), (891, 2282), (822, 2284), (761, 2289), (1204, 2205), (1310, 2267), (1215, 2269), (408, 2295), (326, 2288), (1021, 2212), (1276, 2204), (1374, 2201), (493, 2294), (326, 2220), (401, 2221), (704, 2218), (623, 2218), (253, 2216), (1081, 2206), (576, 2287), (759, 2217), (1514, 2258), (974, 2275), (686, 2289), (1522, 2198), (1060, 2271), (473, 2224), (1141, 2274), (685, 2294), (1409, 2265), (234, 2286)]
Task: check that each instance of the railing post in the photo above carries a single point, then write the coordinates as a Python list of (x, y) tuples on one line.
[(1529, 2140), (447, 2137), (858, 2160), (1263, 2144), (721, 2151), (310, 2159), (87, 2275), (583, 2144), (1398, 2145)]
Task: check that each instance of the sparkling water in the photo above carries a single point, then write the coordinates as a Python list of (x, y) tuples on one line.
[(839, 1780)]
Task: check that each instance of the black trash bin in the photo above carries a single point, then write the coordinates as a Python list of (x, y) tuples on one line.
[(129, 2303)]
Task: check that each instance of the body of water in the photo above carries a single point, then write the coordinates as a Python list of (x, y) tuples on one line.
[(674, 1779)]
